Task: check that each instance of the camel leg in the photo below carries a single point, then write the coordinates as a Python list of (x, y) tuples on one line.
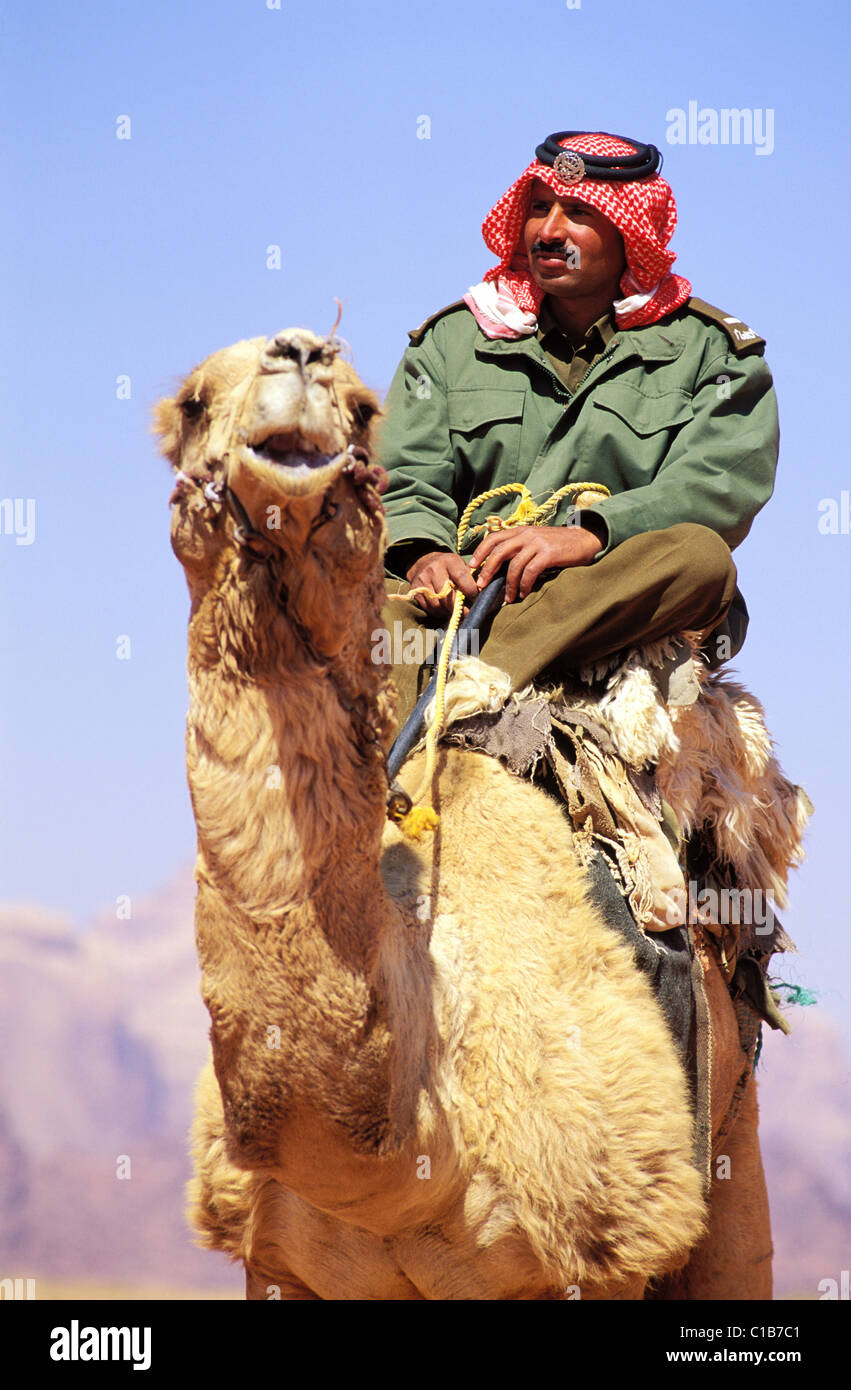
[(733, 1261)]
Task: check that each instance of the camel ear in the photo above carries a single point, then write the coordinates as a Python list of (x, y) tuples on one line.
[(167, 424)]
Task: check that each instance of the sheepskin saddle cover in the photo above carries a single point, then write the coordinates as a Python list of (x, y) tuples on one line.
[(670, 780)]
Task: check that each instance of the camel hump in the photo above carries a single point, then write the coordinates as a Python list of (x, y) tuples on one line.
[(416, 334), (742, 338)]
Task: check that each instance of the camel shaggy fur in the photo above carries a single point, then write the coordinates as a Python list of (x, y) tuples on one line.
[(435, 1072)]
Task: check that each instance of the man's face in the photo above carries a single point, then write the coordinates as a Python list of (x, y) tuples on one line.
[(573, 249)]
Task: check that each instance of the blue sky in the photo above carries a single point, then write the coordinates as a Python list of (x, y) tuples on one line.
[(297, 127)]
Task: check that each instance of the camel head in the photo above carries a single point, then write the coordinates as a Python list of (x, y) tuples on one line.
[(269, 440)]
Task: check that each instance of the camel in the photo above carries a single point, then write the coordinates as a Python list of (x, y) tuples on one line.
[(435, 1071)]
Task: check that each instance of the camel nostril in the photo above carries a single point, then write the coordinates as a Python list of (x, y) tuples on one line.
[(284, 347), (294, 348)]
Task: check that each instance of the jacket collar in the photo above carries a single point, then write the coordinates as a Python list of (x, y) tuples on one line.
[(656, 342)]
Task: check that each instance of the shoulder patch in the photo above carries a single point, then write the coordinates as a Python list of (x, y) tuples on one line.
[(742, 338), (416, 334)]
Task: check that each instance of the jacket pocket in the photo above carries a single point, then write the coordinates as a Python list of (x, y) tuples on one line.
[(484, 431), (470, 410), (645, 415)]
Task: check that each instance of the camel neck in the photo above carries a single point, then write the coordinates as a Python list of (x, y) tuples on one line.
[(289, 795), (292, 910)]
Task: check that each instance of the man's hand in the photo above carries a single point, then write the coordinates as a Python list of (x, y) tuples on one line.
[(529, 550), (433, 570)]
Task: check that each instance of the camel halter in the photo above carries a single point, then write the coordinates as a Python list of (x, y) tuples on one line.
[(248, 538), (244, 531), (220, 491)]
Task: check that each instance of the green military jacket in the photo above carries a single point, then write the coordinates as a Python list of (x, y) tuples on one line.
[(677, 419)]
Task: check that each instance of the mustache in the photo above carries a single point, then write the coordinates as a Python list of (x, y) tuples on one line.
[(552, 248)]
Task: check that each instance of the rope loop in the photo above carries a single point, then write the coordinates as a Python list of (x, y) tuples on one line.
[(424, 818)]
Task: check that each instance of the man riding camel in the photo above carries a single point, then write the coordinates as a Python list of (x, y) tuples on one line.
[(579, 358)]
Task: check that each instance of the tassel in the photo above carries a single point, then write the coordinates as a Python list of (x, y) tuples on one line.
[(796, 995), (421, 819)]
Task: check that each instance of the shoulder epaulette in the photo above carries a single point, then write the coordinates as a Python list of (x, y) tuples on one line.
[(742, 338), (416, 334)]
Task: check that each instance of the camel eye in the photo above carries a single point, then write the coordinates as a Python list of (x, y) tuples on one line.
[(363, 413), (192, 408)]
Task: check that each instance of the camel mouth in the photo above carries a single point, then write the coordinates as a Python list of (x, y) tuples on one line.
[(295, 458), (286, 449)]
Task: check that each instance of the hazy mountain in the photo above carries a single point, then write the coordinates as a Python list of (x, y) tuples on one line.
[(805, 1126), (103, 1034)]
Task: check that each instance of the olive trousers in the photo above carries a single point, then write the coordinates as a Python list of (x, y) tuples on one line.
[(651, 586)]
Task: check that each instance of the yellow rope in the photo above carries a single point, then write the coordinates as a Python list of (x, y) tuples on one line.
[(422, 818)]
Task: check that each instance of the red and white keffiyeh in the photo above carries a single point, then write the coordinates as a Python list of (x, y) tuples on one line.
[(506, 303)]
